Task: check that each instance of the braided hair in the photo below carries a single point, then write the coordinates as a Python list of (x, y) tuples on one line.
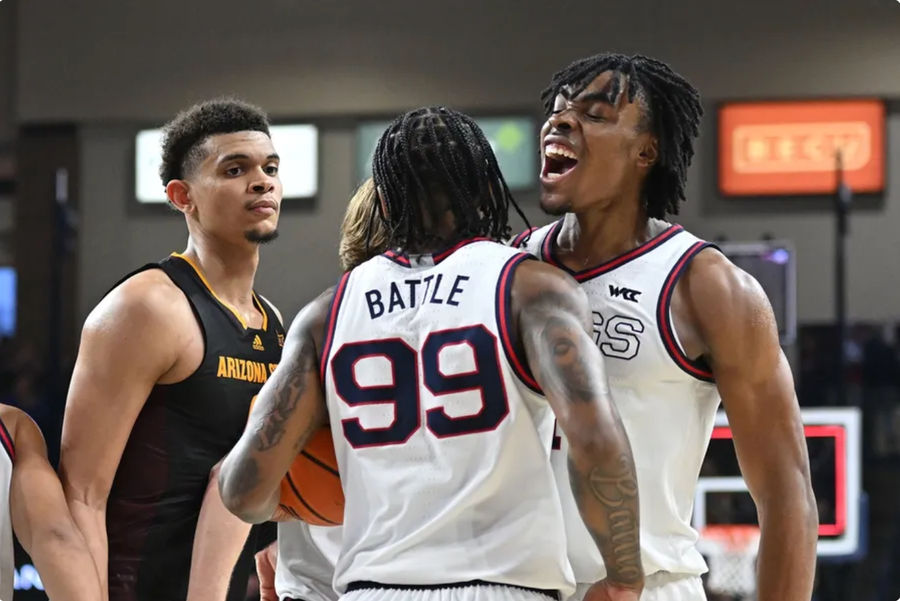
[(672, 114), (432, 160)]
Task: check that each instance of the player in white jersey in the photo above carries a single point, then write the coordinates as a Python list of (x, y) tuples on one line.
[(678, 324), (422, 360), (302, 569), (32, 506)]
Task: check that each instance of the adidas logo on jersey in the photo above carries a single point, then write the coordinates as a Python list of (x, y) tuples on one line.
[(257, 343), (626, 293)]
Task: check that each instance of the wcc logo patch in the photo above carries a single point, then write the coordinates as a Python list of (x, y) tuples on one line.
[(626, 293)]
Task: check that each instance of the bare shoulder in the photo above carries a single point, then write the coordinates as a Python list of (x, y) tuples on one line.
[(730, 309), (541, 292), (716, 286), (312, 319), (23, 430), (534, 279), (148, 299), (147, 324)]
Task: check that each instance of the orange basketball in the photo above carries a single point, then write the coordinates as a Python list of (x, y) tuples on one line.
[(311, 490)]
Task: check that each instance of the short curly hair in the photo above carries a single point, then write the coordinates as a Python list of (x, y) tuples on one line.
[(184, 135)]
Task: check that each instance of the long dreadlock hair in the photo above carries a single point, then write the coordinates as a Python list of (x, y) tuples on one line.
[(431, 160), (672, 112)]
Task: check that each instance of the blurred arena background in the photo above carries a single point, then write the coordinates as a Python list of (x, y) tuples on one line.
[(81, 83)]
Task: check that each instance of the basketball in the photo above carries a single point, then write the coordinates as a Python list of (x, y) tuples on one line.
[(311, 490)]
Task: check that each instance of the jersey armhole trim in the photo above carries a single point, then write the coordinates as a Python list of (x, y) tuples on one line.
[(519, 239), (194, 310), (328, 338), (503, 308), (696, 368), (7, 441)]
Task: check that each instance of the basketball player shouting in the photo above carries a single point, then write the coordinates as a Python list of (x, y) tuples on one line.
[(168, 364), (33, 507), (441, 434), (679, 325)]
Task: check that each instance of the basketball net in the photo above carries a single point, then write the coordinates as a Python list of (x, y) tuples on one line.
[(731, 553)]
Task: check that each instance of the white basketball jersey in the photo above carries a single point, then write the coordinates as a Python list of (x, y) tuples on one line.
[(667, 402), (306, 558), (7, 561), (442, 447)]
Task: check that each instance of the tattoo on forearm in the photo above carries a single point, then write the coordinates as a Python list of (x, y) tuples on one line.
[(566, 365), (287, 393), (617, 492), (246, 477)]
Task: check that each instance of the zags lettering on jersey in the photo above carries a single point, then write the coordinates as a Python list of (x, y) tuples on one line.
[(618, 337), (397, 296)]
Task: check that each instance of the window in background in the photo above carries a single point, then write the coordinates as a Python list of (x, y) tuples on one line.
[(513, 139), (297, 145)]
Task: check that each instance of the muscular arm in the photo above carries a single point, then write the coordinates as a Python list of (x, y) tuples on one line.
[(554, 323), (219, 539), (126, 346), (41, 519), (289, 408), (736, 324)]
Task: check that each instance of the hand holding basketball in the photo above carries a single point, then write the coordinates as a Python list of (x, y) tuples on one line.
[(311, 490)]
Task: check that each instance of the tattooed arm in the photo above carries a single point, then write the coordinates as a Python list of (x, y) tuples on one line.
[(554, 325), (289, 408)]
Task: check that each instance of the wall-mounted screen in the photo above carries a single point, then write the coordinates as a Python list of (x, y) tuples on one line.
[(792, 148), (513, 139)]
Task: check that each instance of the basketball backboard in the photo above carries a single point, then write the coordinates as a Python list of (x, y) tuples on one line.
[(833, 440)]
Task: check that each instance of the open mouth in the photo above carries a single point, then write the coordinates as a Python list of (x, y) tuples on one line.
[(558, 161)]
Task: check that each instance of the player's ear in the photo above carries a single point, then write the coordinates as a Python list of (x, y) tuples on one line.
[(648, 152), (179, 194)]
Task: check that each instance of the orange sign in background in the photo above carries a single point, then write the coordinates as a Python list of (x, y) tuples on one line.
[(768, 148)]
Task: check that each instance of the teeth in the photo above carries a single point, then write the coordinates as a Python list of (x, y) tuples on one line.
[(558, 150)]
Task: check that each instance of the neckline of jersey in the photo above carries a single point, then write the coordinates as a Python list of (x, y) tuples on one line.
[(402, 258), (548, 252), (230, 308)]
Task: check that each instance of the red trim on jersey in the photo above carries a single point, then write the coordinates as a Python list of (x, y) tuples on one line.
[(607, 266), (329, 327), (521, 237), (663, 317), (437, 257), (397, 257), (839, 433), (503, 303), (547, 243), (7, 441), (440, 256)]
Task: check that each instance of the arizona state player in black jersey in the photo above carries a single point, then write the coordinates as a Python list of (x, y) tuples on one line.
[(169, 362)]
